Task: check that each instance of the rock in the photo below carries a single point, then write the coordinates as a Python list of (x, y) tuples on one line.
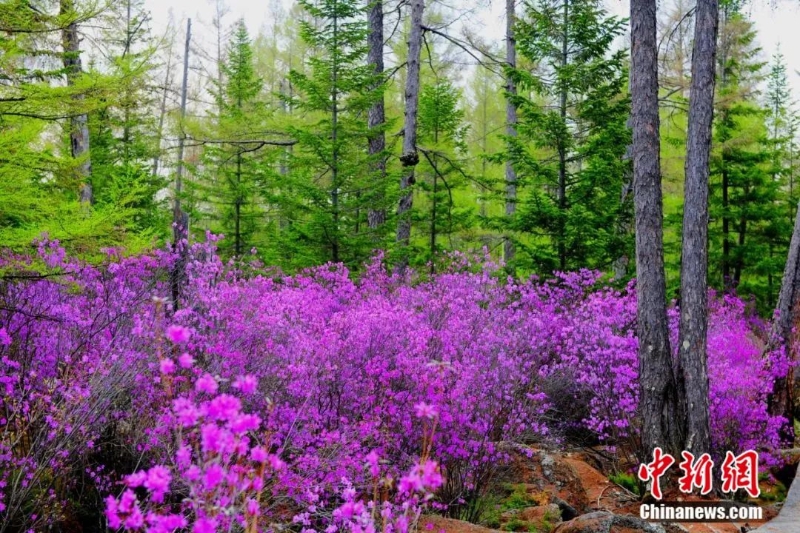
[(536, 515), (548, 463), (672, 527), (439, 524), (605, 522), (568, 512), (541, 471)]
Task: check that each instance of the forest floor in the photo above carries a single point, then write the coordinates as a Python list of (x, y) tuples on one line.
[(562, 492)]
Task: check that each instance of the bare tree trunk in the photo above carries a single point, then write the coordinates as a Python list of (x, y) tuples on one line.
[(727, 281), (335, 150), (162, 112), (79, 124), (658, 402), (283, 165), (693, 374), (220, 10), (237, 213), (786, 316), (180, 220), (562, 150), (377, 114), (511, 126), (410, 156), (433, 218)]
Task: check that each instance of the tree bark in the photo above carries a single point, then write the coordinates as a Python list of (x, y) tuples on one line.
[(562, 149), (410, 156), (163, 110), (335, 146), (693, 373), (376, 117), (658, 401), (786, 316), (79, 124), (180, 220), (511, 127), (727, 281)]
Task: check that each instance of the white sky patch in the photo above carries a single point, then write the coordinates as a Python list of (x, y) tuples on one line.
[(777, 23)]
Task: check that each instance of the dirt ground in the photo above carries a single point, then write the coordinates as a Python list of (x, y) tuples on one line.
[(553, 492)]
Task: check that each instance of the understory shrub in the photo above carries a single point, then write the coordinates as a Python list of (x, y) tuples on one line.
[(316, 400)]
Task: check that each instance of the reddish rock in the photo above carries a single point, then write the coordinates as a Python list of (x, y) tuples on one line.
[(605, 522)]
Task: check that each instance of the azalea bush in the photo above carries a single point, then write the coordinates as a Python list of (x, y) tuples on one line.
[(321, 400)]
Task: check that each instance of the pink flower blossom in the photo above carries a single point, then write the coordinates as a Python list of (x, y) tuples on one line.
[(424, 410), (185, 360), (207, 384), (5, 338), (214, 475), (167, 366), (246, 384), (158, 480), (178, 334), (205, 525)]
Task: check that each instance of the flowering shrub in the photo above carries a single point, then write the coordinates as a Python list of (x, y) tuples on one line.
[(218, 473), (263, 397)]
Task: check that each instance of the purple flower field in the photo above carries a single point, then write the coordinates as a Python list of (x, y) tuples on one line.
[(316, 401)]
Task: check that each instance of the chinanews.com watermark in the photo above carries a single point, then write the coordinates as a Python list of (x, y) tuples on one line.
[(722, 511), (736, 472)]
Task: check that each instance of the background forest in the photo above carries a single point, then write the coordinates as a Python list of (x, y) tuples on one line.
[(290, 141)]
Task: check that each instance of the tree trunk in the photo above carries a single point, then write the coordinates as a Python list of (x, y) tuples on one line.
[(726, 229), (739, 266), (180, 220), (335, 147), (781, 400), (238, 207), (693, 373), (511, 127), (163, 111), (433, 219), (410, 156), (79, 124), (562, 150), (377, 114), (658, 403)]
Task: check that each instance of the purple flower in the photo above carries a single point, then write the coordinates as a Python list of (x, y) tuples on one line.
[(167, 366), (136, 479), (372, 462), (224, 406), (185, 360), (111, 513), (178, 334), (206, 383), (246, 384), (424, 410), (5, 338), (158, 480), (259, 454), (213, 476), (205, 525)]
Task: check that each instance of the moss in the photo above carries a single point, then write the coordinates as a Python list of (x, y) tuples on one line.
[(626, 481)]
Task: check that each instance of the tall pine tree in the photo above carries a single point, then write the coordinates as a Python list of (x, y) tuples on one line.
[(571, 136)]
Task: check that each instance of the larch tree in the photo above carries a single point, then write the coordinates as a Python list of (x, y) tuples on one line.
[(658, 386), (79, 122), (376, 215), (242, 114), (331, 102), (511, 127), (569, 150), (692, 356), (442, 144), (410, 156)]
